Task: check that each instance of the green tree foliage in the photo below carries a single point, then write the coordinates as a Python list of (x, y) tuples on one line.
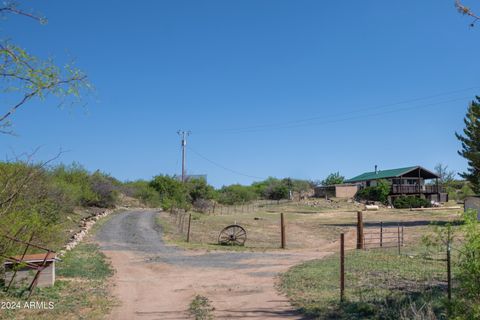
[(30, 203), (172, 192), (379, 192), (279, 189), (199, 189), (332, 179), (236, 194), (85, 189), (471, 145), (143, 191), (24, 77)]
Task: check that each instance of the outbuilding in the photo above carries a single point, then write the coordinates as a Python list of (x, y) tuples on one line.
[(346, 190), (24, 272)]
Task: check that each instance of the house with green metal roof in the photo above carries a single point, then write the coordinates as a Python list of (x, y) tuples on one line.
[(404, 181)]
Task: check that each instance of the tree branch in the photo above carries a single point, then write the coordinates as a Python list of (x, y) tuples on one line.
[(12, 9), (466, 11)]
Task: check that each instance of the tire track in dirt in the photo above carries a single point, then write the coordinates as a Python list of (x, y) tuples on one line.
[(157, 281)]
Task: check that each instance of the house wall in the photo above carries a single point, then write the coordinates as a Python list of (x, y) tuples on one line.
[(25, 276), (345, 191)]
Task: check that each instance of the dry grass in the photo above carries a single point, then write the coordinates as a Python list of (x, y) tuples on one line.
[(307, 226)]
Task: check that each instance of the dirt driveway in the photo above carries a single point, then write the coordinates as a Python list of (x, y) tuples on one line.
[(156, 281)]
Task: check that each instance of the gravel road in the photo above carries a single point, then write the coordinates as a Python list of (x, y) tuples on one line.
[(157, 281)]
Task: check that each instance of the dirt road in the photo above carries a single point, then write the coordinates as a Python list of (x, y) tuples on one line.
[(156, 281)]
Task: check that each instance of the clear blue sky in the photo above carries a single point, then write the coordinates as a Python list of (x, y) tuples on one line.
[(242, 74)]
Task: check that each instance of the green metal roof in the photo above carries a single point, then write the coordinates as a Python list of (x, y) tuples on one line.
[(381, 174)]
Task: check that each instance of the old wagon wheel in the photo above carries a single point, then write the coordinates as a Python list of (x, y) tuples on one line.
[(233, 235)]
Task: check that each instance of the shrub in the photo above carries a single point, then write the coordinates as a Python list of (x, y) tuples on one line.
[(143, 191), (379, 192), (199, 189), (405, 202), (236, 194), (203, 205), (172, 192), (278, 191), (105, 189)]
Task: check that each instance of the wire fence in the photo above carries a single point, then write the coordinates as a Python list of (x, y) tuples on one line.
[(263, 231), (397, 263), (255, 206)]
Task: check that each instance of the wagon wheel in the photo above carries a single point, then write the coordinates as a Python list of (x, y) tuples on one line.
[(233, 235)]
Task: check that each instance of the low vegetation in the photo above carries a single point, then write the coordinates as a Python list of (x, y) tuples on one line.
[(383, 284), (379, 192), (80, 292), (380, 284), (200, 308), (405, 202)]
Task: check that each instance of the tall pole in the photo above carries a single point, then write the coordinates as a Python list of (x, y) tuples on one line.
[(184, 134)]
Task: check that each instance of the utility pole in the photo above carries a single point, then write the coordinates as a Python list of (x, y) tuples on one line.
[(184, 134)]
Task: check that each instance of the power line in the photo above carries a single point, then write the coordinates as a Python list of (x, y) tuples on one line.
[(308, 121), (223, 167), (350, 118)]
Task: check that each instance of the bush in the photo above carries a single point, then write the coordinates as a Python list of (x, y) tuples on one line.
[(467, 304), (172, 192), (199, 189), (379, 192), (105, 190), (142, 190), (405, 202), (236, 194), (278, 191)]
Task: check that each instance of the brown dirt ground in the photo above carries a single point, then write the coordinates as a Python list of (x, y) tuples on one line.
[(155, 281)]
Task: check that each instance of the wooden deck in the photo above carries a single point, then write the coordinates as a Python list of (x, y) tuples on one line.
[(415, 189)]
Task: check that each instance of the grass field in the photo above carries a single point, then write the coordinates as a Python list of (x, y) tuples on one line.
[(306, 226), (380, 284)]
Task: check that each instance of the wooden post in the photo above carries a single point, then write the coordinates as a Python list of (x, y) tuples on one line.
[(381, 233), (398, 238), (402, 236), (360, 238), (188, 229), (342, 267), (449, 267), (282, 230)]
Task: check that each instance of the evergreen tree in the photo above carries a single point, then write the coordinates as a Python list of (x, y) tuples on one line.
[(471, 144)]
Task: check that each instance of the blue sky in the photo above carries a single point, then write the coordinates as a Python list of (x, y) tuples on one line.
[(268, 88)]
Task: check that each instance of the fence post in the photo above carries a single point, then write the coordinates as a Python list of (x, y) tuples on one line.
[(449, 267), (398, 238), (402, 236), (381, 233), (342, 267), (188, 229), (282, 230), (360, 230)]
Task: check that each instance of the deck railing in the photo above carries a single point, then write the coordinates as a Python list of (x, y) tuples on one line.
[(406, 189)]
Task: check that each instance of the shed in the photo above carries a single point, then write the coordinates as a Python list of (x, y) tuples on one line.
[(346, 190), (473, 202), (28, 268)]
